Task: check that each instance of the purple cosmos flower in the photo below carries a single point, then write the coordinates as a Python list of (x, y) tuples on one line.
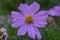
[(29, 19), (54, 11), (3, 32)]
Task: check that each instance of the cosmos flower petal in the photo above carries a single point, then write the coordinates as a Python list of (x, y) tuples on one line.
[(22, 30), (41, 15), (24, 9), (18, 19), (18, 23), (34, 8), (58, 7), (54, 11), (38, 33), (6, 36), (14, 25), (3, 29), (40, 23), (31, 31), (17, 15)]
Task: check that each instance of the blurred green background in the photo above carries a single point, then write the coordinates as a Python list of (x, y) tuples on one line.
[(48, 33)]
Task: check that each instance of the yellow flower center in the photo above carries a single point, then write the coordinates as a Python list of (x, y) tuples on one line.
[(1, 33), (29, 19)]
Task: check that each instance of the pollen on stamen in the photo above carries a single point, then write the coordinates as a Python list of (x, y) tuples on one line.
[(29, 19), (1, 33)]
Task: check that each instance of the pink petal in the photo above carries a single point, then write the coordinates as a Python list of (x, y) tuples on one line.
[(41, 15), (24, 9), (14, 25), (34, 8), (17, 24), (38, 33), (23, 29), (3, 29), (18, 19), (31, 31), (17, 15), (54, 11), (40, 23), (40, 19)]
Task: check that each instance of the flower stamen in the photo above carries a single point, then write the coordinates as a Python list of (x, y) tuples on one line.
[(29, 19), (1, 33)]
